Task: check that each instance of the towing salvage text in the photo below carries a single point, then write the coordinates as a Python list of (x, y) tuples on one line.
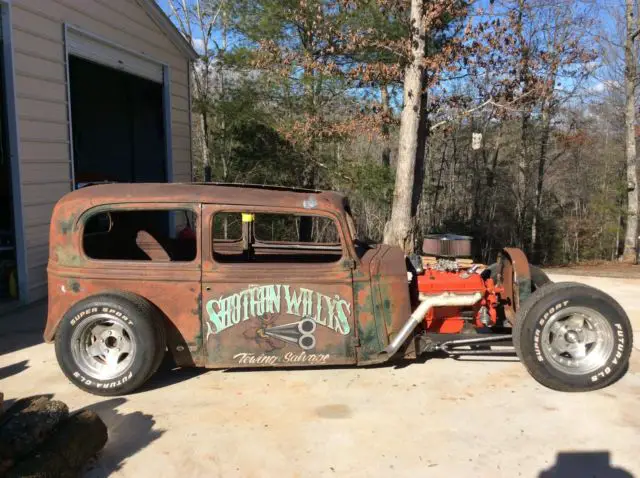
[(332, 312)]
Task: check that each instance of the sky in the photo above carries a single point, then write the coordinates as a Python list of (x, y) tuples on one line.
[(198, 43), (605, 25)]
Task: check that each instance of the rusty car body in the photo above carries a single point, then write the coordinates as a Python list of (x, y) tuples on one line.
[(218, 278)]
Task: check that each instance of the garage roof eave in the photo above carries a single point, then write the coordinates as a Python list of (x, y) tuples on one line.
[(166, 25)]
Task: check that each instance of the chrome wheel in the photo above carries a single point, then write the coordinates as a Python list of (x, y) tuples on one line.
[(103, 346), (577, 340)]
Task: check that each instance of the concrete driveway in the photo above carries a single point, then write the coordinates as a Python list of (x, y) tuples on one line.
[(442, 417)]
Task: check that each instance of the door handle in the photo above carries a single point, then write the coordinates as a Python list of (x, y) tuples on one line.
[(207, 288)]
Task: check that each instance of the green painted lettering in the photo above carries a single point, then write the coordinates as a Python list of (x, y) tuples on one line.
[(293, 301), (216, 317)]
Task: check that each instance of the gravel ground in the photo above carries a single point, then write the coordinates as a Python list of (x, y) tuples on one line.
[(439, 417)]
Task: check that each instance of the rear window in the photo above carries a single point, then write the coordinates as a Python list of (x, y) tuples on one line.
[(141, 235)]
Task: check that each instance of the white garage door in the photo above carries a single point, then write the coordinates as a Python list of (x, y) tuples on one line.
[(91, 48)]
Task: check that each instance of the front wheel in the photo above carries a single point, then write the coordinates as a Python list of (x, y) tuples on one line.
[(572, 337), (539, 278), (110, 344)]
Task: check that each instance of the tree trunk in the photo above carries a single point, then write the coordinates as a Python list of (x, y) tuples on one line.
[(630, 240), (418, 178), (421, 150), (542, 160), (204, 145), (523, 160), (386, 109), (399, 228)]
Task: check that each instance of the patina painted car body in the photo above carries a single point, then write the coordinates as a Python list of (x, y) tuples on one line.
[(216, 313), (227, 276)]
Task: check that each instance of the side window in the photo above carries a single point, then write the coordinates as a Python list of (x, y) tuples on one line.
[(227, 226), (265, 237), (141, 235), (293, 228)]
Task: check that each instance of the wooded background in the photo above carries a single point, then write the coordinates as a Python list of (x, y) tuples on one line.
[(382, 100)]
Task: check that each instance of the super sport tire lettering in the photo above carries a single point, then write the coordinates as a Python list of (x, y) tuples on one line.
[(147, 331), (103, 384), (536, 311)]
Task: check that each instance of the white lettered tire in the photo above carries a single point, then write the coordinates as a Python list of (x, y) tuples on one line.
[(572, 337), (110, 344)]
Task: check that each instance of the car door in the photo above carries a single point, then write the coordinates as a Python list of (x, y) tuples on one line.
[(271, 297)]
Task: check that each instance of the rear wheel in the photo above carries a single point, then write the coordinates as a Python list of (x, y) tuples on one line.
[(572, 337), (110, 344)]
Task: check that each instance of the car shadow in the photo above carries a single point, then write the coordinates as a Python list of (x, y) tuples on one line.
[(593, 464), (165, 378), (22, 327), (500, 356), (14, 369), (128, 434), (170, 374)]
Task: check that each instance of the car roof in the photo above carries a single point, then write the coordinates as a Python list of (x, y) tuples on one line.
[(212, 193)]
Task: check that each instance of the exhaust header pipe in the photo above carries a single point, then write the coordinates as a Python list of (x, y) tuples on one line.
[(442, 300)]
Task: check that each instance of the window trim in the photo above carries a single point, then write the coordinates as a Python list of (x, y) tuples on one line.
[(87, 214), (339, 263)]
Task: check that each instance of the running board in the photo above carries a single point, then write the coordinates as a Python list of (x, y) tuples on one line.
[(447, 344)]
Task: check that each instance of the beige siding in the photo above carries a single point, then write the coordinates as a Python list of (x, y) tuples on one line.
[(36, 237), (180, 129), (35, 67), (38, 194), (43, 110), (180, 91), (39, 255), (46, 131), (39, 214), (38, 45), (31, 152), (44, 173), (180, 116)]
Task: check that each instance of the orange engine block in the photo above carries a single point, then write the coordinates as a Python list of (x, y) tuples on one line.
[(452, 320)]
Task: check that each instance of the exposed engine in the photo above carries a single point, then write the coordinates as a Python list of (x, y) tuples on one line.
[(447, 266)]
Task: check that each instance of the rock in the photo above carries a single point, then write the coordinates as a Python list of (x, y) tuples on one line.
[(67, 450), (21, 404), (25, 425)]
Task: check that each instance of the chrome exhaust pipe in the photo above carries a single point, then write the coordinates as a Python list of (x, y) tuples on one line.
[(443, 300)]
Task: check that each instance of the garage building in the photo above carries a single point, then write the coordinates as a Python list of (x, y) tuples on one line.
[(90, 91)]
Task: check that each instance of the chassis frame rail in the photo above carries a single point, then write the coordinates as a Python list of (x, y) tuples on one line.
[(448, 343)]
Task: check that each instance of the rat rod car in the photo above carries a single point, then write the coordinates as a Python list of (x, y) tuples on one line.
[(227, 276)]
